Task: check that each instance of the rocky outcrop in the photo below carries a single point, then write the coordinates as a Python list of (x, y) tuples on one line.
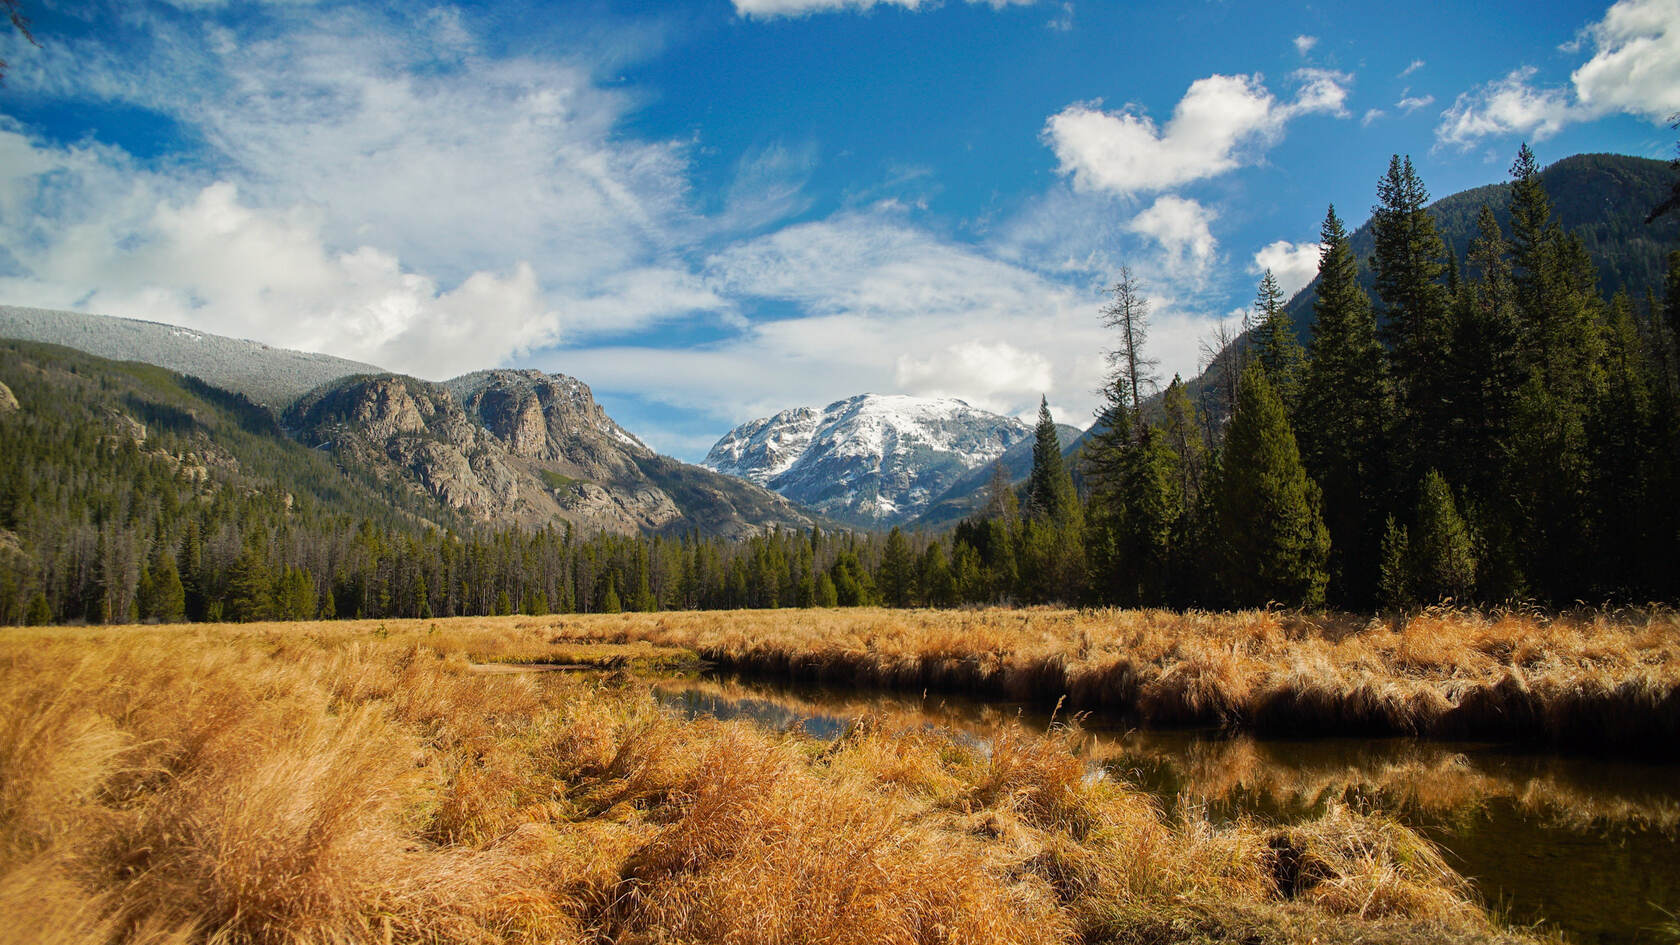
[(8, 402), (522, 447)]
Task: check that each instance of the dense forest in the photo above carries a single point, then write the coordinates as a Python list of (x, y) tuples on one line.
[(1488, 428)]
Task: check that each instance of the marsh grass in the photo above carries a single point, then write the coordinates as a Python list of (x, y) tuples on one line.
[(1606, 681), (318, 783)]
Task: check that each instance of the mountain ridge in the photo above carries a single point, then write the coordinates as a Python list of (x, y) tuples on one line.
[(871, 460)]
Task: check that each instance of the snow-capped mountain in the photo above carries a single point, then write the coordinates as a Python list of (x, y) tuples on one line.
[(871, 460)]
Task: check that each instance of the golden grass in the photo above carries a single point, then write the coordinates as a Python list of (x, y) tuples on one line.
[(357, 782), (1602, 680)]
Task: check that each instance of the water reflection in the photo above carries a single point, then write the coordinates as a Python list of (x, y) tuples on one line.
[(1590, 846)]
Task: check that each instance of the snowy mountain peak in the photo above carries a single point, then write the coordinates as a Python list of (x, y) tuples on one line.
[(873, 459)]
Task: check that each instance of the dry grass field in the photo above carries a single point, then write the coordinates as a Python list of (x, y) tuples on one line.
[(359, 782), (1597, 680)]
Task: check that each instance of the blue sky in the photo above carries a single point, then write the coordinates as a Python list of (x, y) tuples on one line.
[(710, 211)]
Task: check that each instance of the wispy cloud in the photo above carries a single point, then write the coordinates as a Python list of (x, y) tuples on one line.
[(1410, 103), (766, 9), (1415, 65), (1304, 44)]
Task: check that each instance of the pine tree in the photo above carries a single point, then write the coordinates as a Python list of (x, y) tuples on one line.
[(1269, 517), (1443, 556), (250, 587), (897, 577), (1050, 495), (1275, 344), (1408, 264), (40, 612), (1394, 582), (1346, 411), (610, 604), (1131, 370)]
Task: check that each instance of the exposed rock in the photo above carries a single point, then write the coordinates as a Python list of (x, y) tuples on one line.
[(8, 402), (524, 447)]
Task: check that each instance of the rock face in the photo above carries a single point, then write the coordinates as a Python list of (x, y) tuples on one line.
[(524, 447), (8, 402), (872, 460)]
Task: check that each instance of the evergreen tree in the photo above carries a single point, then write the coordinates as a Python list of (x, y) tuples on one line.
[(1346, 408), (826, 596), (1269, 517), (938, 582), (1408, 262), (1050, 495), (1443, 556), (40, 612), (610, 604), (1275, 344), (250, 587), (1394, 583), (897, 576)]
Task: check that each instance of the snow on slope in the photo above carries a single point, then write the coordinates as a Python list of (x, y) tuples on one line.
[(871, 460)]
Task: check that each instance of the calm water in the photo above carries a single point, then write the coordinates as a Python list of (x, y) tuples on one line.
[(1589, 846)]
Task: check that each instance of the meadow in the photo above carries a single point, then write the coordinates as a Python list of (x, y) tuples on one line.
[(363, 781)]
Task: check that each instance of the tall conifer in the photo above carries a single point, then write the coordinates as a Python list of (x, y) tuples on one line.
[(1346, 412)]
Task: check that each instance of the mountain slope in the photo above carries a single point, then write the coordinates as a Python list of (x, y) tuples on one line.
[(526, 448), (872, 460), (969, 492), (271, 376)]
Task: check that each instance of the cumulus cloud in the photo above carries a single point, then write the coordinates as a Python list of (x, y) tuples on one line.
[(208, 260), (766, 9), (1634, 69), (1005, 374), (1293, 264), (1304, 44), (1213, 128), (1180, 226), (1506, 106)]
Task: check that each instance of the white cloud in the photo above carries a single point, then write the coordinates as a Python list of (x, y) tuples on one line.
[(1507, 106), (1411, 103), (1180, 226), (1304, 44), (209, 261), (885, 306), (1416, 64), (1371, 115), (1004, 372), (1293, 264), (372, 187), (766, 9), (1218, 120), (1636, 65), (1063, 21), (1635, 69)]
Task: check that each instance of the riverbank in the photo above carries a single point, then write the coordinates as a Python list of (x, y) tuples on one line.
[(1596, 681), (355, 782)]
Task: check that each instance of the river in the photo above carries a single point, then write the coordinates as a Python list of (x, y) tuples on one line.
[(1586, 845)]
